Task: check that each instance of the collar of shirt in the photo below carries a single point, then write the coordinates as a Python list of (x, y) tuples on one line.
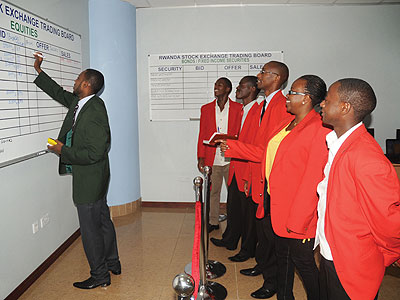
[(81, 103), (226, 107), (260, 99), (246, 110), (270, 96), (334, 143)]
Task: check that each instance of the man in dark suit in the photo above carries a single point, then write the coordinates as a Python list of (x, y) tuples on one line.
[(83, 144)]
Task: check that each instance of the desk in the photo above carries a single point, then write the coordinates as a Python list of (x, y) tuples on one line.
[(397, 168)]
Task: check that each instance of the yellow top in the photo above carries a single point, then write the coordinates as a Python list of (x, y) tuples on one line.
[(272, 149)]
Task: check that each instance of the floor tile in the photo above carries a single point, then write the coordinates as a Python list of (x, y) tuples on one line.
[(155, 244)]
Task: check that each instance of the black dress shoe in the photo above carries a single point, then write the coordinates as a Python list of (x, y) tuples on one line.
[(263, 293), (212, 227), (222, 243), (218, 242), (115, 269), (250, 272), (92, 283), (239, 257), (222, 217)]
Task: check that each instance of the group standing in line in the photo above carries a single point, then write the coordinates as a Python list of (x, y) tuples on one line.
[(297, 181)]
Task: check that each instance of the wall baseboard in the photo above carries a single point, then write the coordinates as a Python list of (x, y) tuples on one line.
[(19, 290), (125, 209), (174, 204)]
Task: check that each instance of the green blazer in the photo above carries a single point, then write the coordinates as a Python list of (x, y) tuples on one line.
[(88, 153)]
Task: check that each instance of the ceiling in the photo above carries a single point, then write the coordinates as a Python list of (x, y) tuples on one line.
[(199, 3)]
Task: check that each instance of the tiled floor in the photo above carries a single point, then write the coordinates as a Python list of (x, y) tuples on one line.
[(155, 244)]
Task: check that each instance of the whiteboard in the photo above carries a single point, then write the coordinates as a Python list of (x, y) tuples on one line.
[(179, 84), (27, 115)]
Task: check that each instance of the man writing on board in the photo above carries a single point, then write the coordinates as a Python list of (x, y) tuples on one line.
[(83, 144)]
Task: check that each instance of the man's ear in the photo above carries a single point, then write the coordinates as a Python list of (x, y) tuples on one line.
[(346, 107), (86, 84)]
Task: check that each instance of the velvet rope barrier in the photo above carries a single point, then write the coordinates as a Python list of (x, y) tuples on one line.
[(196, 248)]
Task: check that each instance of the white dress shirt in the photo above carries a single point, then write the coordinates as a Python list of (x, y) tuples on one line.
[(221, 119), (81, 103), (246, 110), (268, 100), (334, 144)]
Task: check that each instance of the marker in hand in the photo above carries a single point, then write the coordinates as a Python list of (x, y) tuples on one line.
[(51, 142)]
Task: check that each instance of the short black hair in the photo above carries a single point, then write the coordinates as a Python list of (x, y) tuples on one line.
[(95, 78), (252, 81), (227, 82), (359, 94), (315, 88), (283, 70)]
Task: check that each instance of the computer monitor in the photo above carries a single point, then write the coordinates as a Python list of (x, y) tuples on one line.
[(393, 150)]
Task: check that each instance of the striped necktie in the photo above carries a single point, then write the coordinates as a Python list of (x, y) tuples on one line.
[(75, 110)]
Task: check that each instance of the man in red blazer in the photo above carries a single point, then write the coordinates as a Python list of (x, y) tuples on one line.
[(358, 226), (221, 115), (272, 112), (240, 208)]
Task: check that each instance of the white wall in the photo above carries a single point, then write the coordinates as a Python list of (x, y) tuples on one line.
[(33, 188), (330, 41)]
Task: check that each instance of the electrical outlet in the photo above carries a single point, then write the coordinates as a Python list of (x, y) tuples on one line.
[(35, 227), (44, 220)]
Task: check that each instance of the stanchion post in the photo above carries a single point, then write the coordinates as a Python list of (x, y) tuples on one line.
[(206, 210), (198, 181), (208, 269)]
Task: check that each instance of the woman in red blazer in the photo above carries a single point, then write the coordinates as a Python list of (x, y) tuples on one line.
[(293, 175)]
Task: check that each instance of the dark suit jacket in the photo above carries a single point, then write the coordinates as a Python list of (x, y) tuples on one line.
[(88, 153)]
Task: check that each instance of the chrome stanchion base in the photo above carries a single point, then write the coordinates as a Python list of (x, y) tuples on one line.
[(212, 291), (214, 269), (188, 268)]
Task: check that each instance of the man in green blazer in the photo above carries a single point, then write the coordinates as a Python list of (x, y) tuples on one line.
[(83, 144)]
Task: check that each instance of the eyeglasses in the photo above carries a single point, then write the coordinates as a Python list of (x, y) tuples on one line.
[(290, 92), (268, 72)]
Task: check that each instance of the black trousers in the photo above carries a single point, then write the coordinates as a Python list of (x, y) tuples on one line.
[(249, 232), (233, 229), (293, 253), (330, 286), (98, 238), (265, 250), (241, 211)]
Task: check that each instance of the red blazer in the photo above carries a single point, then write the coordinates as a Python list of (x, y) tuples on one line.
[(238, 167), (208, 126), (297, 169), (275, 115), (362, 220)]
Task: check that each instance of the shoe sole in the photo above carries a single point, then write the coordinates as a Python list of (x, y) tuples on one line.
[(115, 272)]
